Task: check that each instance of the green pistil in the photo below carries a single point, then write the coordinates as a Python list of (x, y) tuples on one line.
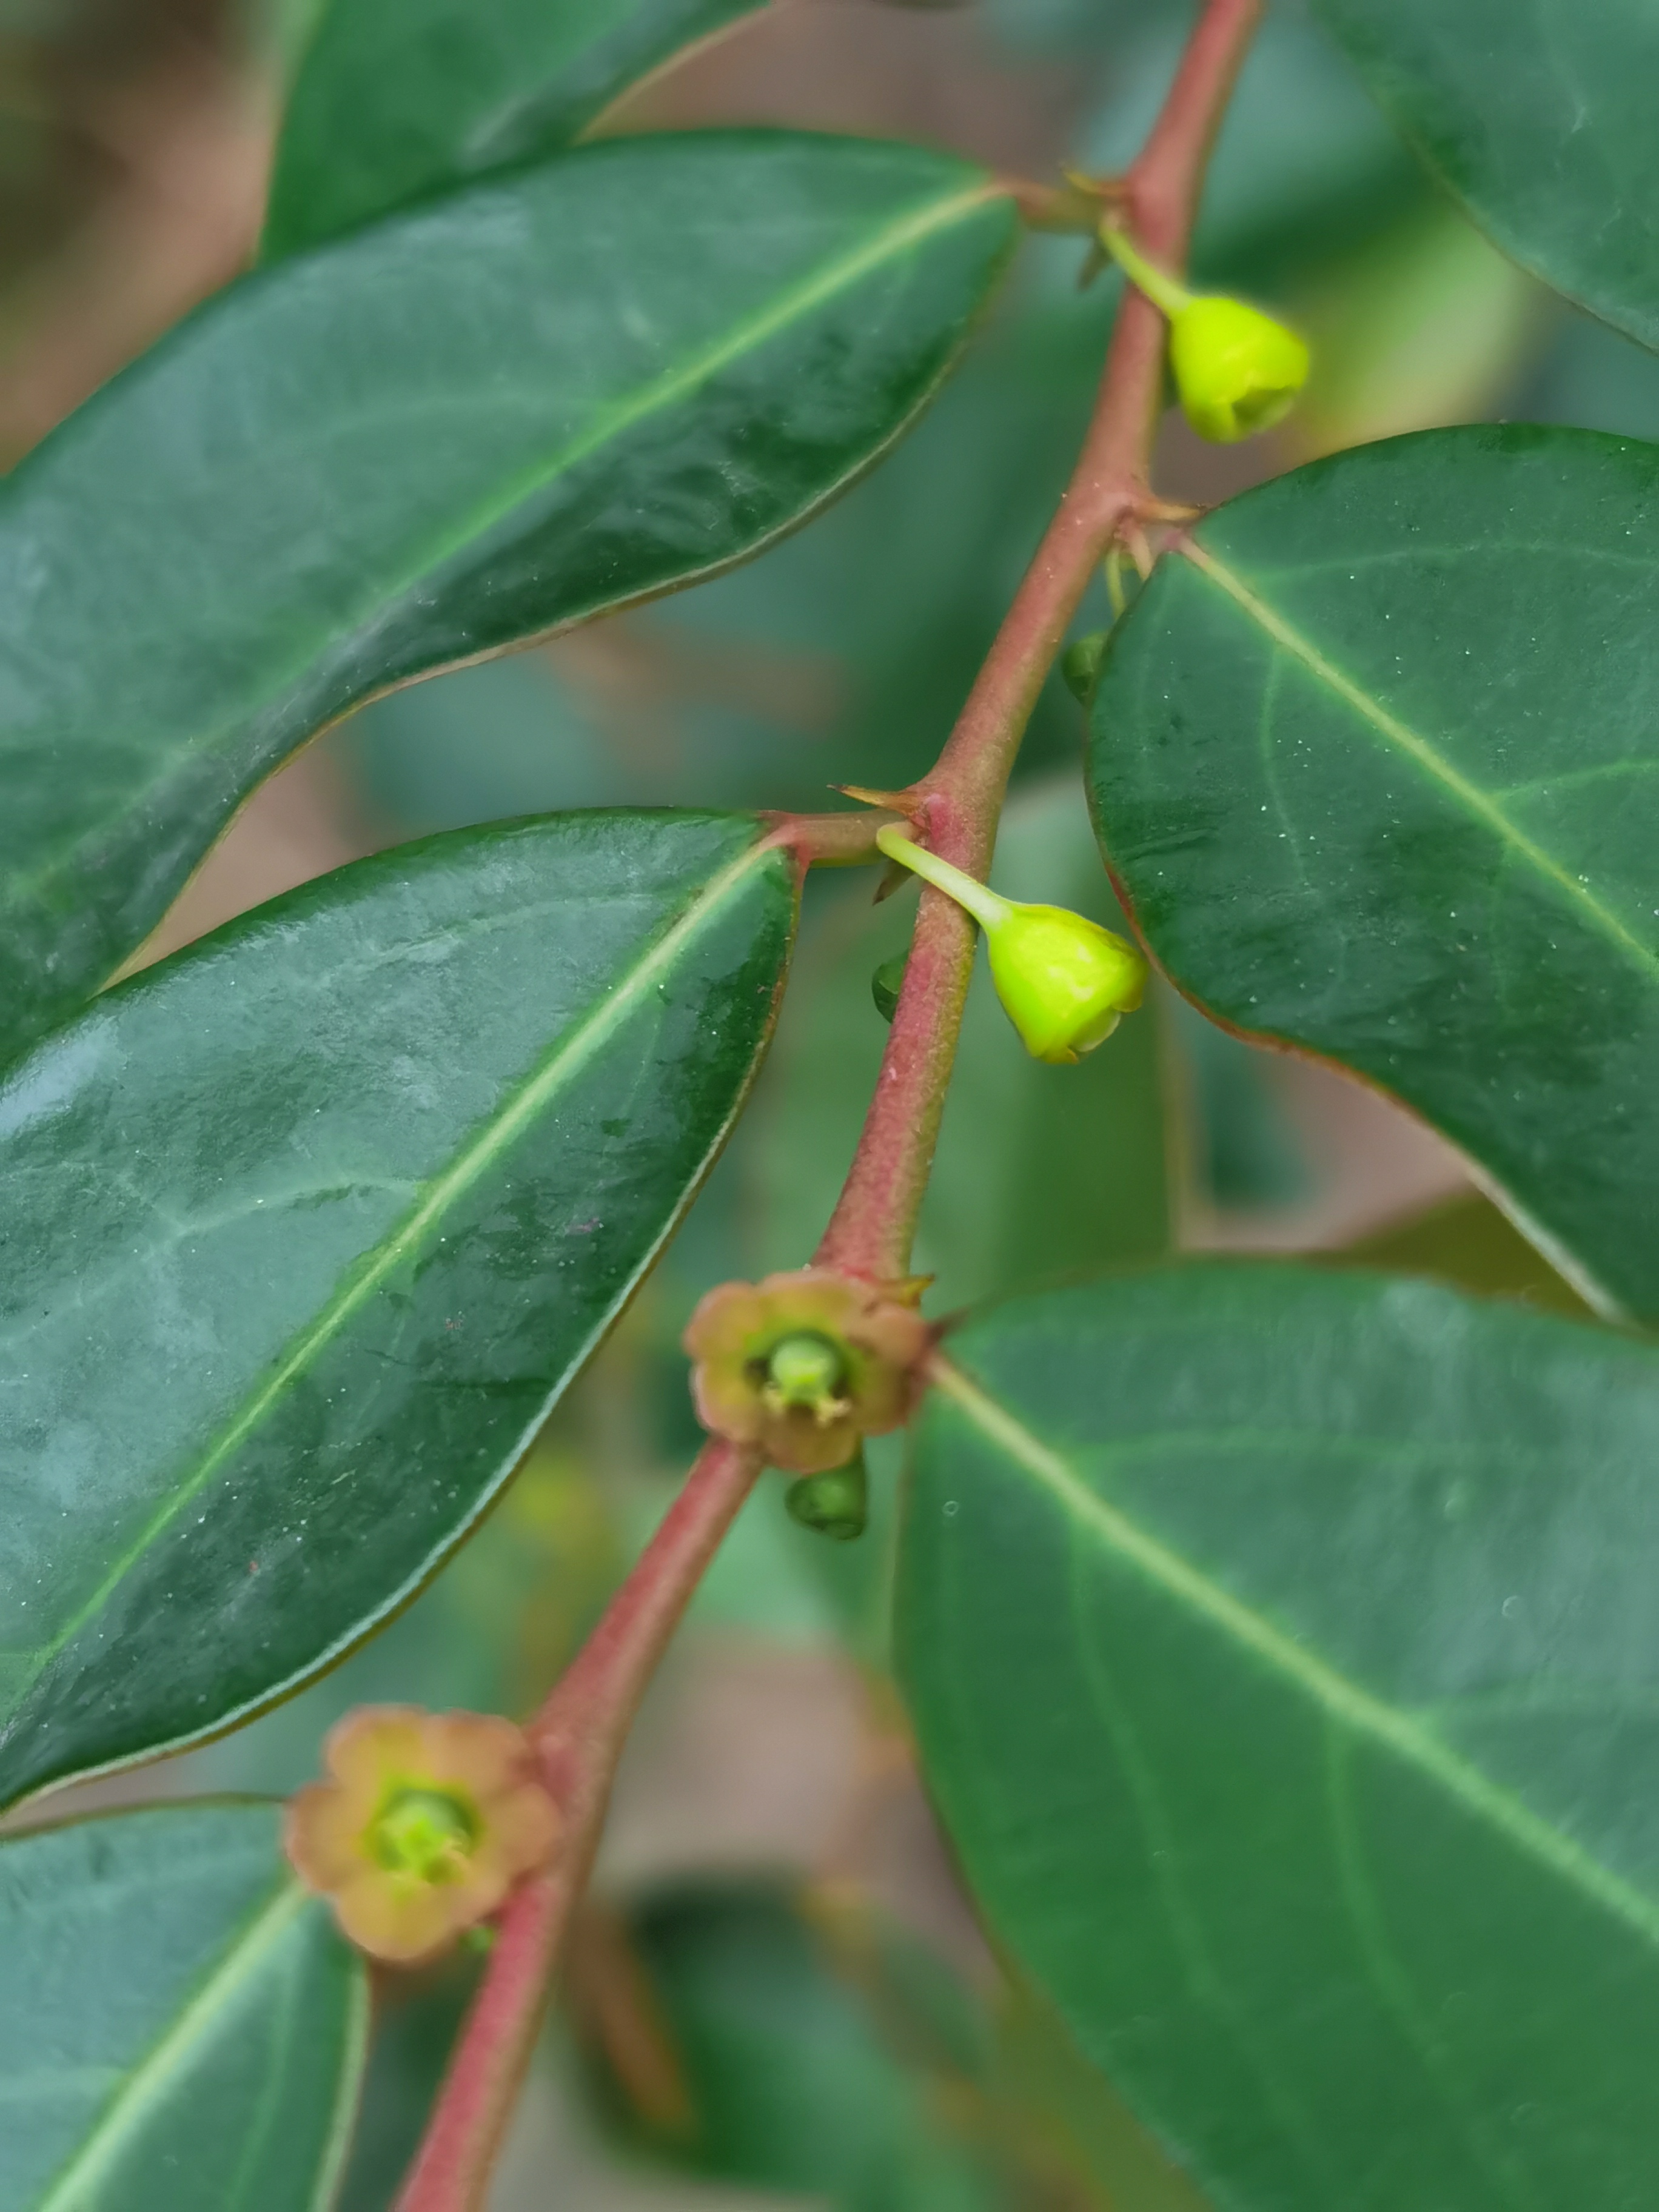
[(426, 1833), (807, 1369)]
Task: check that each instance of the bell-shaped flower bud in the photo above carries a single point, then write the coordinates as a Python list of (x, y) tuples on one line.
[(1237, 371), (1064, 981)]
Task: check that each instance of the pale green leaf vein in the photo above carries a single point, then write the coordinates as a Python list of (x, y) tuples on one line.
[(677, 382), (1387, 1726), (523, 1106), (147, 2082), (1412, 2021), (1479, 804)]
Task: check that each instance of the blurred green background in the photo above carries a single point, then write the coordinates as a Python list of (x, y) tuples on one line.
[(778, 1991)]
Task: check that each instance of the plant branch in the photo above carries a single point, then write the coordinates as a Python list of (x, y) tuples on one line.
[(580, 1730), (958, 801), (579, 1734)]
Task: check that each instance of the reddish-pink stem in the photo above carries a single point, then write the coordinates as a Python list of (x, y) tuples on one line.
[(580, 1730), (958, 803), (579, 1733)]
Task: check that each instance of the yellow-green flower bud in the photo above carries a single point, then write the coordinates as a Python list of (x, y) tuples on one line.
[(1237, 370), (1064, 981)]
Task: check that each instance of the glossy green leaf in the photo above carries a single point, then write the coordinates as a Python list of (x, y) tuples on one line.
[(1373, 766), (438, 437), (1284, 1655), (308, 1227), (1541, 119), (1116, 2164), (181, 2026), (397, 100)]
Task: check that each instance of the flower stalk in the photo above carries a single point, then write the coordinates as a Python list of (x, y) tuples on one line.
[(580, 1732)]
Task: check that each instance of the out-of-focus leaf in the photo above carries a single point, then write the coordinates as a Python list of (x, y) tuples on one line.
[(1373, 760), (401, 98), (1069, 2107), (1540, 120), (1243, 1150), (1594, 379), (1305, 172), (1468, 1242), (539, 398), (414, 2032), (310, 1225), (1428, 324), (1283, 1655), (738, 2040), (179, 2024)]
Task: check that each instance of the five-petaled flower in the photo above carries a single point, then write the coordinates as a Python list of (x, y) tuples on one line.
[(426, 1823), (804, 1364)]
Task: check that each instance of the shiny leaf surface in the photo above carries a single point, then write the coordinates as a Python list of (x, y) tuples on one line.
[(179, 2024), (1541, 119), (307, 1228), (432, 440), (1374, 767), (1283, 1657), (397, 100)]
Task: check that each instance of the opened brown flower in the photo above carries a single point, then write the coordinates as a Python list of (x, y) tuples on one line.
[(804, 1364), (427, 1822)]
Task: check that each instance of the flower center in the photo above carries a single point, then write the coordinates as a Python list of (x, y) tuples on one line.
[(807, 1369), (426, 1833)]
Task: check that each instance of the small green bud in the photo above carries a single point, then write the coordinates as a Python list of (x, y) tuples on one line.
[(836, 1504), (1237, 371), (1080, 664), (884, 984), (1064, 981)]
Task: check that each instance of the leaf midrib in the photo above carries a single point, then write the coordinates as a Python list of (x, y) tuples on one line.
[(143, 2082), (671, 385), (568, 1056), (1479, 803), (1342, 1700)]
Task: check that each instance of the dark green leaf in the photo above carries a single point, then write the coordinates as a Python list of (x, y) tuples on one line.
[(1373, 767), (398, 99), (438, 437), (1541, 119), (768, 2054), (309, 1226), (180, 2025), (1284, 1659)]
